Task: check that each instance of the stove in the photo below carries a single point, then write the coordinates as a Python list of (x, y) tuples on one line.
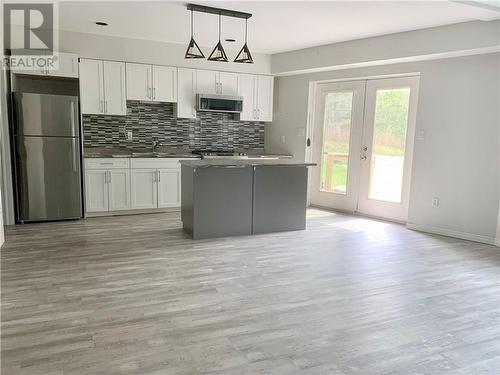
[(220, 154)]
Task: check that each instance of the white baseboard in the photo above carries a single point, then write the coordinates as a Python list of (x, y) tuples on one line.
[(132, 212), (453, 233)]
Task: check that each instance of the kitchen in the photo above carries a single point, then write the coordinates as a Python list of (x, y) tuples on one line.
[(250, 187)]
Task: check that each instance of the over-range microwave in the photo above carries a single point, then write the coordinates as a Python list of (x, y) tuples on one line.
[(219, 103)]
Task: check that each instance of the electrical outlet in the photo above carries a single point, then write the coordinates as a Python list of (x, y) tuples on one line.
[(130, 137), (420, 134), (435, 202), (282, 139)]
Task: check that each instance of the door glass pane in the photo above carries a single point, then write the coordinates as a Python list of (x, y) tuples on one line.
[(388, 147), (336, 136)]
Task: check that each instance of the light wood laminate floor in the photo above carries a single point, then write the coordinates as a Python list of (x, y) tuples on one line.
[(134, 295)]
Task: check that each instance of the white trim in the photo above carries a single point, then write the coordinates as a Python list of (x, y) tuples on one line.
[(452, 233), (397, 60), (497, 242)]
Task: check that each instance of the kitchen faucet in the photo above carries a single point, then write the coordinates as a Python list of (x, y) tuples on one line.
[(156, 144)]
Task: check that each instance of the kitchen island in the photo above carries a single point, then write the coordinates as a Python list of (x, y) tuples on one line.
[(226, 197)]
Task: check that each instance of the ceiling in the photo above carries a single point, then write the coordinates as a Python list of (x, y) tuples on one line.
[(276, 26)]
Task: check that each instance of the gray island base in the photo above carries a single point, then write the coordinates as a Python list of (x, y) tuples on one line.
[(223, 198)]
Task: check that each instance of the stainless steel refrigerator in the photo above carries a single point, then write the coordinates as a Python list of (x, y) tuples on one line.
[(47, 157)]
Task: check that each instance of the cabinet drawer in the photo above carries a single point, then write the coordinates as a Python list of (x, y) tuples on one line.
[(155, 163), (106, 163)]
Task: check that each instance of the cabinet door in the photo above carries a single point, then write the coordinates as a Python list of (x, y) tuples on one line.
[(139, 86), (169, 187), (114, 88), (164, 83), (186, 93), (119, 189), (91, 86), (265, 98), (96, 190), (68, 66), (207, 82), (143, 188), (247, 89), (228, 83)]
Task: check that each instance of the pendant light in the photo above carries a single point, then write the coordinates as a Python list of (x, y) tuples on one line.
[(244, 56), (218, 53), (193, 51)]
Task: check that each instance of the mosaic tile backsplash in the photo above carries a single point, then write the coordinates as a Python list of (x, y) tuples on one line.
[(150, 121)]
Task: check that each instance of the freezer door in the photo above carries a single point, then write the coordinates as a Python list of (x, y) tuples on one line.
[(48, 178), (46, 115)]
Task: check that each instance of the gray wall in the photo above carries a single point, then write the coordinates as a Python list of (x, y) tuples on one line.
[(457, 161)]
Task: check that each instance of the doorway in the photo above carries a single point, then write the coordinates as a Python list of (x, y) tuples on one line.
[(363, 145)]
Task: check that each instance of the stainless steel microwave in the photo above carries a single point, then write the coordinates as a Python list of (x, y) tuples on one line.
[(219, 103)]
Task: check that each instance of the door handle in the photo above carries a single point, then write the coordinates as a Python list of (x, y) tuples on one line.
[(154, 92), (159, 176), (308, 142)]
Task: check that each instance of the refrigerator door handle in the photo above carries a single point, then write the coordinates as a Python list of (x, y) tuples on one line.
[(75, 154)]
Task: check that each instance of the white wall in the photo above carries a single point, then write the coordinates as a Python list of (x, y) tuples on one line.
[(145, 51), (458, 108)]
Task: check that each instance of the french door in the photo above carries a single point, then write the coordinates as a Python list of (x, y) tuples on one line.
[(363, 145)]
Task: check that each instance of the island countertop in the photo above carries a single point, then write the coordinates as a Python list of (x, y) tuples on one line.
[(207, 163)]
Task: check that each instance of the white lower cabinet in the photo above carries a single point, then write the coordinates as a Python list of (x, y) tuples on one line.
[(96, 190), (107, 190), (169, 187), (119, 189), (144, 188), (119, 184)]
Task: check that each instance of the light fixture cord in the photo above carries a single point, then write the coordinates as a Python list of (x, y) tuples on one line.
[(246, 29), (219, 26), (191, 23)]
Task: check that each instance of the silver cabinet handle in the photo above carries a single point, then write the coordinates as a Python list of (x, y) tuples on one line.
[(159, 176), (106, 106), (154, 92), (258, 114), (149, 92), (101, 109), (109, 173)]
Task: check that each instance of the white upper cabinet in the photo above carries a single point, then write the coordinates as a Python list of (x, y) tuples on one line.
[(67, 67), (164, 83), (151, 83), (207, 82), (186, 93), (257, 93), (114, 88), (265, 98), (247, 90), (138, 81), (228, 83), (212, 82), (91, 86), (102, 87)]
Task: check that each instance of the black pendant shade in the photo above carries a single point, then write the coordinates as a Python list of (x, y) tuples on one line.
[(193, 51), (244, 56), (218, 53)]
